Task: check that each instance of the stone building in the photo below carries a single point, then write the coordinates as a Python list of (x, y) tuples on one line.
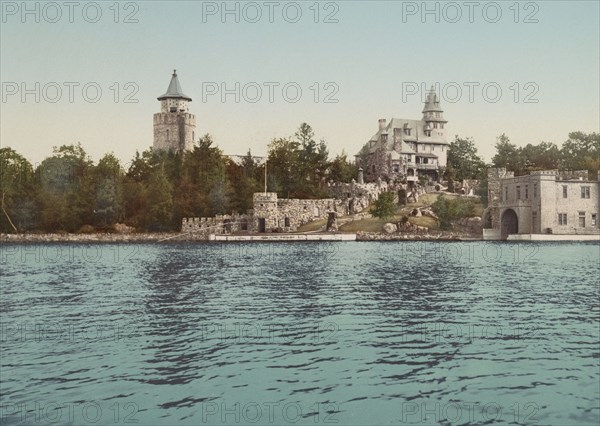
[(543, 202), (270, 214), (174, 126), (407, 148)]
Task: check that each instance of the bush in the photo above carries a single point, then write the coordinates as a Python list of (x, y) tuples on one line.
[(384, 206), (450, 209)]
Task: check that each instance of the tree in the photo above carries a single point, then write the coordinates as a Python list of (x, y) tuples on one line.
[(17, 192), (67, 193), (341, 170), (384, 207), (282, 170), (160, 201), (508, 156), (109, 190), (582, 151), (463, 161)]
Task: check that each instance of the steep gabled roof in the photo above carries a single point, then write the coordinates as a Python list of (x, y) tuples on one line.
[(174, 90)]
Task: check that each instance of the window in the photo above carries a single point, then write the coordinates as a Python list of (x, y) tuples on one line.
[(435, 125), (407, 132), (594, 219), (564, 191), (562, 218), (427, 132), (396, 168), (535, 190), (441, 125), (526, 192), (534, 226), (287, 222), (518, 192), (582, 219), (585, 192), (506, 193)]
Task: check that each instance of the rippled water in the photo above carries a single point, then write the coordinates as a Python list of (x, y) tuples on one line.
[(315, 333)]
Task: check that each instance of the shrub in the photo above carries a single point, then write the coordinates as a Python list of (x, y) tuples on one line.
[(450, 209), (384, 206)]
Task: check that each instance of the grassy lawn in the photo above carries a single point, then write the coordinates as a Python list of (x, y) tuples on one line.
[(315, 225), (426, 221)]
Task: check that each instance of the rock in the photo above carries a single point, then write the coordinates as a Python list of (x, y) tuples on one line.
[(390, 228), (416, 213), (429, 212), (121, 228)]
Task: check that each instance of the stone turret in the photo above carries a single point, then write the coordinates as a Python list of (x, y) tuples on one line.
[(433, 114), (174, 126)]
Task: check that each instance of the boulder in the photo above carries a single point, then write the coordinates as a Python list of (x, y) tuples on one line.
[(389, 228)]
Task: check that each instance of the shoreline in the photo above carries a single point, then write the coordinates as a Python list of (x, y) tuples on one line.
[(176, 237)]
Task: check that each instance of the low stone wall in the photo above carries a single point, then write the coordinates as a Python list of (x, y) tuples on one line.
[(220, 224)]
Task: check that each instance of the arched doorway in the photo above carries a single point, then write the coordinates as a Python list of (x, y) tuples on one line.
[(509, 224)]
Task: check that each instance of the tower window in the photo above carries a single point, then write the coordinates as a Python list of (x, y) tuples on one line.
[(564, 191)]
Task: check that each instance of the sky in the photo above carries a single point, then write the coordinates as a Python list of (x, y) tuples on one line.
[(90, 72)]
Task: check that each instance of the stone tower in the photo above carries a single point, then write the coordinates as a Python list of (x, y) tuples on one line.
[(433, 115), (174, 126)]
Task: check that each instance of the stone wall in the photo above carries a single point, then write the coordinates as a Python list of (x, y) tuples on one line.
[(174, 131), (358, 196), (220, 224)]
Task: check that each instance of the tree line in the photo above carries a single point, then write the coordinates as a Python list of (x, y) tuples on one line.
[(69, 192)]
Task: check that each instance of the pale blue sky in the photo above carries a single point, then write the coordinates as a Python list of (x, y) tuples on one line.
[(369, 54)]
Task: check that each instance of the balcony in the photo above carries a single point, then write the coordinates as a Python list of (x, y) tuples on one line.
[(422, 166)]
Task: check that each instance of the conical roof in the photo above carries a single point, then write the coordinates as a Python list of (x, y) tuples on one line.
[(432, 103), (174, 90)]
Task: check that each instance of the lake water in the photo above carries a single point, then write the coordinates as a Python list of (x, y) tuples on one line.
[(301, 333)]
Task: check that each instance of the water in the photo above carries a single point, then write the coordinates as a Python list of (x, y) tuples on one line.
[(304, 333)]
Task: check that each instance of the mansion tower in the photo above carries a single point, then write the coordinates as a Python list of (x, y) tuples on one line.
[(174, 126)]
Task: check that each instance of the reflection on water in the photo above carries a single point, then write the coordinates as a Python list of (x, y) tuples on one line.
[(303, 333)]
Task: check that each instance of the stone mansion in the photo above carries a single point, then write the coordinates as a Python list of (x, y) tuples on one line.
[(405, 148)]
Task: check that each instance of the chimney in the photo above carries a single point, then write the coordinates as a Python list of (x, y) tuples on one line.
[(382, 122)]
